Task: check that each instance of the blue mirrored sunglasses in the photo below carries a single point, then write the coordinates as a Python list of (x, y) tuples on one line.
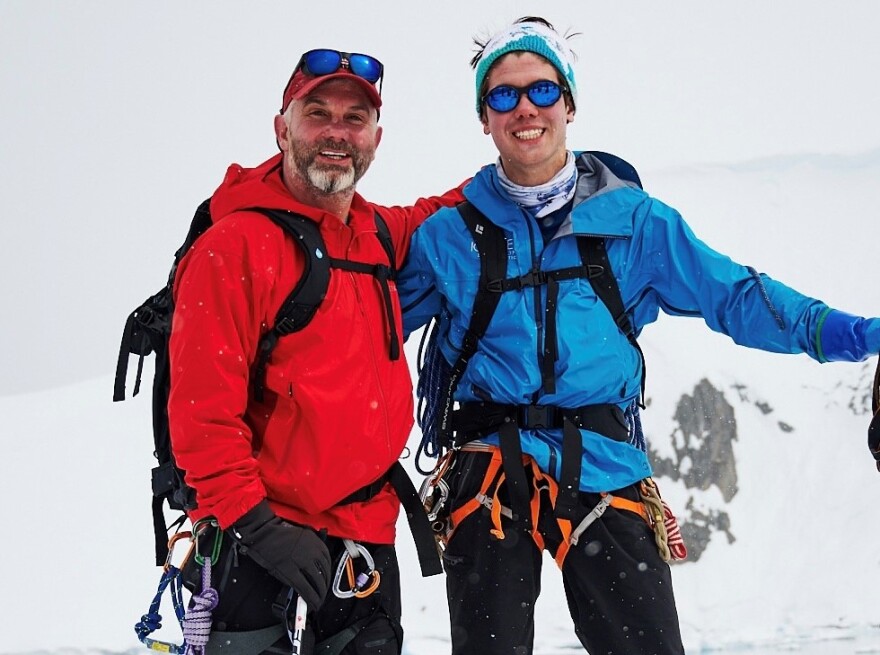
[(324, 62), (505, 97)]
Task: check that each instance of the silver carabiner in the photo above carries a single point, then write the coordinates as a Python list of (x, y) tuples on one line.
[(361, 585)]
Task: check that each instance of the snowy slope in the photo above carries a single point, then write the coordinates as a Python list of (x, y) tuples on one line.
[(756, 120), (803, 565)]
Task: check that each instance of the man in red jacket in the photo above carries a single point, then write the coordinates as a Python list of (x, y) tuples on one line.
[(294, 478)]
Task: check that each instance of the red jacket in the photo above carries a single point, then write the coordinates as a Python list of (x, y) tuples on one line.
[(336, 412)]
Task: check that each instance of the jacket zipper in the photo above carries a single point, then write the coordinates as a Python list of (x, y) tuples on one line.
[(539, 314)]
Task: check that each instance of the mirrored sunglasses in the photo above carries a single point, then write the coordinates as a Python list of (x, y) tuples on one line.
[(505, 98)]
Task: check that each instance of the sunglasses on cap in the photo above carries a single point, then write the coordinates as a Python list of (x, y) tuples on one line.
[(324, 62), (505, 98)]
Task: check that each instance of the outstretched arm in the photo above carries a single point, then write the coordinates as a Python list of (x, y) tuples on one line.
[(690, 278)]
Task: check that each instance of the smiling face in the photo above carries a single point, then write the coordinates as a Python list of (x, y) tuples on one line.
[(530, 139), (329, 140)]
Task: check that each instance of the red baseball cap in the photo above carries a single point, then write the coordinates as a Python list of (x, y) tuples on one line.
[(301, 84)]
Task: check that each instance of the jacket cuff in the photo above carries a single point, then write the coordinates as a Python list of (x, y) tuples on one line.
[(842, 337)]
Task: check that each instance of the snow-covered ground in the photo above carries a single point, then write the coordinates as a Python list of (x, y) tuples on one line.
[(758, 123)]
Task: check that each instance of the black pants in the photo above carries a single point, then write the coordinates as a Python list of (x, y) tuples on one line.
[(619, 590), (251, 599)]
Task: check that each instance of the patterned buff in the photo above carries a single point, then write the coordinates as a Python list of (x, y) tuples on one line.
[(528, 37), (546, 198)]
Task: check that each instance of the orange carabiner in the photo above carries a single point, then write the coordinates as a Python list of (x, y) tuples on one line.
[(171, 543)]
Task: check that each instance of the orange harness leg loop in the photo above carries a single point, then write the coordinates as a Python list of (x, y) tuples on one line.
[(460, 514)]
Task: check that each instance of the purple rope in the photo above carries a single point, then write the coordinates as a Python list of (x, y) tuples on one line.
[(197, 622)]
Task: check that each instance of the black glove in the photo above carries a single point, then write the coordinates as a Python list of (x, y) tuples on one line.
[(294, 554)]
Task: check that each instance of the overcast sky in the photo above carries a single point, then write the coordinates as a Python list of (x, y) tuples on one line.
[(758, 119), (119, 117)]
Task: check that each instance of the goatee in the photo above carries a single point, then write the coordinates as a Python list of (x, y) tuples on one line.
[(330, 179)]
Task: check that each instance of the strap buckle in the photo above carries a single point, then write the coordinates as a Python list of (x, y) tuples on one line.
[(537, 416)]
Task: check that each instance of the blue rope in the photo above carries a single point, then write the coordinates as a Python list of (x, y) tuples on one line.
[(634, 422), (434, 374), (152, 620)]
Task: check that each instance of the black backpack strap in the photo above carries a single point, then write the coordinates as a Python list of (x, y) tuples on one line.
[(491, 245), (383, 274), (302, 302), (423, 535), (492, 248), (595, 257), (384, 236)]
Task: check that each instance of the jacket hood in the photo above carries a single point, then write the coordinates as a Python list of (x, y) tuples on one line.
[(245, 188)]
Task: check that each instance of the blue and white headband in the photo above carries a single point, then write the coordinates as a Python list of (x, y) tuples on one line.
[(528, 37)]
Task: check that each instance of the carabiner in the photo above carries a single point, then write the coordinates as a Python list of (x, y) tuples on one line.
[(171, 543), (362, 585), (428, 492), (198, 529)]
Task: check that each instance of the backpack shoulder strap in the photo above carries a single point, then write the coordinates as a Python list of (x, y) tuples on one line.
[(595, 258), (384, 236), (302, 302), (307, 294), (492, 248)]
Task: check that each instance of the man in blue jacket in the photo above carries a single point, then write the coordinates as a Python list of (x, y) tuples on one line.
[(548, 451)]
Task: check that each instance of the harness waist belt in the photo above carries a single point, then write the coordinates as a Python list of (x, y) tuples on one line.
[(364, 494), (476, 420)]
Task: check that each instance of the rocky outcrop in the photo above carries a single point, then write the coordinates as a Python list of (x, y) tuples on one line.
[(703, 456)]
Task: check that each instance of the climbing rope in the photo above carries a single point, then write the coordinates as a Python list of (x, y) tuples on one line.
[(152, 620), (667, 533), (197, 622)]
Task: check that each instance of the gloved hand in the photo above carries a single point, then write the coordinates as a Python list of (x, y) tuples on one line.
[(294, 554)]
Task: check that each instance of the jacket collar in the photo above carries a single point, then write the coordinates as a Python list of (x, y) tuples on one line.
[(603, 203)]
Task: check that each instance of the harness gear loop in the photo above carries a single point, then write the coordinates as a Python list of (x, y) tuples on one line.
[(362, 584), (594, 515)]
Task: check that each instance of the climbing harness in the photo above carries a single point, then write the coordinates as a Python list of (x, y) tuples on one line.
[(651, 508), (360, 585)]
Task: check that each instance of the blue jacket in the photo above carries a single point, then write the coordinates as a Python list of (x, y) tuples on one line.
[(659, 264)]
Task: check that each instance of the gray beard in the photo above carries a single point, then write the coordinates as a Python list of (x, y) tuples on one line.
[(330, 181)]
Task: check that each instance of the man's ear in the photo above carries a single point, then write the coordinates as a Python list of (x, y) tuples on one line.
[(378, 135), (280, 131)]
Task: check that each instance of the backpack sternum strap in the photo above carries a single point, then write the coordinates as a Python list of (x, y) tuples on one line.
[(303, 301), (536, 278), (382, 274)]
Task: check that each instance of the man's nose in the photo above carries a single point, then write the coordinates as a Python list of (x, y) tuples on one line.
[(525, 107)]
